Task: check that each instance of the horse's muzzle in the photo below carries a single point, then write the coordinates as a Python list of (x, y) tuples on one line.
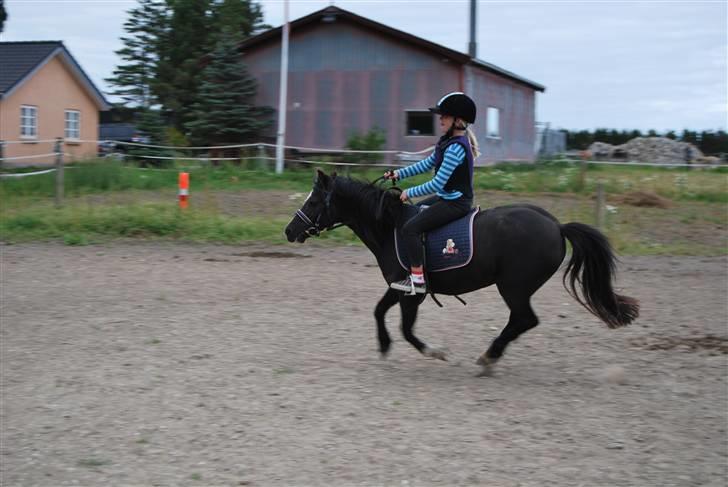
[(293, 237)]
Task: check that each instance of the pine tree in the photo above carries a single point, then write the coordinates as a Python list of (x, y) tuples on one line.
[(151, 125), (242, 17), (133, 78), (224, 112), (180, 58), (3, 15)]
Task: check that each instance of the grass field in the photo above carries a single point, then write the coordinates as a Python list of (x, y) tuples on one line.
[(107, 200)]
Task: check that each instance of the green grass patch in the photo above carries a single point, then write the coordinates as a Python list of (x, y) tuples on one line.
[(84, 224), (708, 185), (105, 202)]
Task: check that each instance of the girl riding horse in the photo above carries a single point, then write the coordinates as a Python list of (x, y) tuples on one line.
[(452, 183)]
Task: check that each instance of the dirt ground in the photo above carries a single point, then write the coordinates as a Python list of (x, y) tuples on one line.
[(146, 363)]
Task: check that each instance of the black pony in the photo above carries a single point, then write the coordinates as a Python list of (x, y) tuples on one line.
[(516, 247)]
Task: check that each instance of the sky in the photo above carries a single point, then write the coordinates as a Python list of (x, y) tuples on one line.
[(643, 65)]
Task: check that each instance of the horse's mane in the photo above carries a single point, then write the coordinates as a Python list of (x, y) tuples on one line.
[(368, 203)]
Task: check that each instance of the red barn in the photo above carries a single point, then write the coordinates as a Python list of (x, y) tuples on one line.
[(348, 74)]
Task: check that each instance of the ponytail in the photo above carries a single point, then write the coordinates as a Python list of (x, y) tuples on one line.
[(474, 147)]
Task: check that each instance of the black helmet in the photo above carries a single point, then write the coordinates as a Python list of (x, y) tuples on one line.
[(456, 104)]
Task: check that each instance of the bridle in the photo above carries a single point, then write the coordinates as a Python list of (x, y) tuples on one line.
[(314, 227)]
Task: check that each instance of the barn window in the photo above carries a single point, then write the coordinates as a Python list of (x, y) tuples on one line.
[(492, 123), (73, 124), (28, 121), (420, 123)]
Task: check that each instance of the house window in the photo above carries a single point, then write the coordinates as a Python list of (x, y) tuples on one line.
[(492, 124), (73, 124), (28, 121), (420, 123)]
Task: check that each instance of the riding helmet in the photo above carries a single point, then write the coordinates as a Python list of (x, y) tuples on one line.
[(456, 104)]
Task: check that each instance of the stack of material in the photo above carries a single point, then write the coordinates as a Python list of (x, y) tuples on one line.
[(658, 150)]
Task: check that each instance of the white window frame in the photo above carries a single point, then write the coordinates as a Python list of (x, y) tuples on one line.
[(492, 124), (28, 122), (72, 127)]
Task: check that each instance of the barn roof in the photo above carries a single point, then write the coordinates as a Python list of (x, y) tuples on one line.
[(21, 60), (332, 13)]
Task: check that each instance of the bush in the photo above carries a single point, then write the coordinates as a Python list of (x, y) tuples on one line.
[(374, 140)]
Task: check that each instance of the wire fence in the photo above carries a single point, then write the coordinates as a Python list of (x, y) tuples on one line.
[(302, 155)]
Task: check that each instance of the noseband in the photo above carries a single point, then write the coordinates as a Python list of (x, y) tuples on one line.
[(314, 228)]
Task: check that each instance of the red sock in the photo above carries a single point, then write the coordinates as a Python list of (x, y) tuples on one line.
[(418, 277)]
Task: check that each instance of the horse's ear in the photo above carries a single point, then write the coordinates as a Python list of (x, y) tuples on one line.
[(323, 178)]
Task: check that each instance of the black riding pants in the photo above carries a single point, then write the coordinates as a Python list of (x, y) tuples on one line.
[(440, 212)]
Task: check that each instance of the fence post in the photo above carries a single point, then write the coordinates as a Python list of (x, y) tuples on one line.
[(58, 149), (2, 153), (261, 163), (600, 206), (582, 171)]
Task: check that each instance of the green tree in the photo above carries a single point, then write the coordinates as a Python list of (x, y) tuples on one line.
[(224, 111), (242, 17), (180, 53), (3, 15), (133, 78), (634, 134), (713, 143), (151, 125)]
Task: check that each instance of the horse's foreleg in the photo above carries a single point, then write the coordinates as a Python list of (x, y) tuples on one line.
[(409, 306), (388, 300)]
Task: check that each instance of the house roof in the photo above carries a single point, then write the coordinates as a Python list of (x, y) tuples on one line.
[(21, 60), (332, 13)]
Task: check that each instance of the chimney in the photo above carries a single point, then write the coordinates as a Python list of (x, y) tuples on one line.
[(473, 46)]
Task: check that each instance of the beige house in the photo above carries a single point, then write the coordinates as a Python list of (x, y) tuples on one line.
[(44, 94)]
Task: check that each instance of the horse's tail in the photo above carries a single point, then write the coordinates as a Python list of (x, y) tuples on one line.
[(592, 266)]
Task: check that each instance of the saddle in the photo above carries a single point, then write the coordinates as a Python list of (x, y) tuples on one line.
[(447, 247)]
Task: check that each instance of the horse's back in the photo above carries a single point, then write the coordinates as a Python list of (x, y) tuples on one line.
[(520, 233)]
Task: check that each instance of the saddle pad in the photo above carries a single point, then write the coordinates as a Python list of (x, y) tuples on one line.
[(447, 247)]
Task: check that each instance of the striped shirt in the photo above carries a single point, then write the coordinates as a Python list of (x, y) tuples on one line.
[(453, 157)]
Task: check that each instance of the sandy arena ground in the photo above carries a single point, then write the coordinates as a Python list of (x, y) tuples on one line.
[(145, 363)]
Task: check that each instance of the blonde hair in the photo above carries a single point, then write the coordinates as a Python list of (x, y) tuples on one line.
[(473, 142)]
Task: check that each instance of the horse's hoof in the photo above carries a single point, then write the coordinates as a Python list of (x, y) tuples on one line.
[(435, 353), (485, 361), (486, 371)]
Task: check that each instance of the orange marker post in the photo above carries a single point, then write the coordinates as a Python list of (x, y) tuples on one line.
[(184, 189)]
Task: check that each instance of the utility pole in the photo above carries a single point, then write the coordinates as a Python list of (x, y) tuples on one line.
[(282, 104), (472, 47)]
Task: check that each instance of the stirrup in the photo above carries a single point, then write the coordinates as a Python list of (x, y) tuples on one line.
[(409, 287)]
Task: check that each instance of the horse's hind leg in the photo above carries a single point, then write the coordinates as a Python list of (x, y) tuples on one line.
[(389, 299), (522, 319)]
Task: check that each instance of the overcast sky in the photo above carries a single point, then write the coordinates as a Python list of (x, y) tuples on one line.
[(614, 64)]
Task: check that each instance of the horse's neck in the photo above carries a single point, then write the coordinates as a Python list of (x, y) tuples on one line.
[(358, 215)]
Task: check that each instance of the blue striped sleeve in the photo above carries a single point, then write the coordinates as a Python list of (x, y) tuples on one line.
[(418, 167), (454, 156)]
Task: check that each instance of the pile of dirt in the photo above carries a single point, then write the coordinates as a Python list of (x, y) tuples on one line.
[(660, 150), (645, 199)]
